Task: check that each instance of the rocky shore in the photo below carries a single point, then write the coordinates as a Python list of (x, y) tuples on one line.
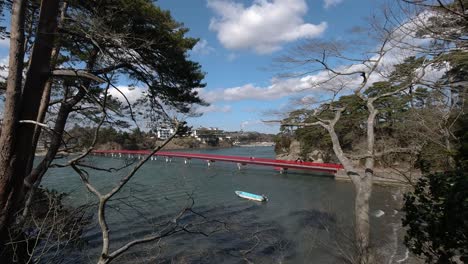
[(396, 175), (256, 144)]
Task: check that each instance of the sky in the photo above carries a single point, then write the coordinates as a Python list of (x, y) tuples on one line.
[(238, 42)]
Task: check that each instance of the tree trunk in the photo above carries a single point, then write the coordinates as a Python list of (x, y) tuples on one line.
[(16, 154), (11, 114), (36, 79), (45, 99), (362, 183), (362, 223), (34, 178), (364, 191)]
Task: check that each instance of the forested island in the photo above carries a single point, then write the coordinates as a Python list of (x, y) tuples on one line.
[(387, 101), (135, 139)]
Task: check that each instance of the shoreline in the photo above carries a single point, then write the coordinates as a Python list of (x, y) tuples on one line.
[(392, 178), (256, 144)]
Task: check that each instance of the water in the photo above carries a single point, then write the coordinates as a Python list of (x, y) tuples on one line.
[(299, 224)]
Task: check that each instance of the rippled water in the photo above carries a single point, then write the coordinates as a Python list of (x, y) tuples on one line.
[(297, 225)]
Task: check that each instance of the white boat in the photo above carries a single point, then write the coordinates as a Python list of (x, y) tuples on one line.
[(251, 196)]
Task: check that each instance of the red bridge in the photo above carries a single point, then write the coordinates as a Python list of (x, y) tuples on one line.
[(281, 165)]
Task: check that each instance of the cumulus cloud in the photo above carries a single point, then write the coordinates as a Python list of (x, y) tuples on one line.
[(278, 88), (264, 26), (202, 47), (132, 93), (331, 3), (312, 86)]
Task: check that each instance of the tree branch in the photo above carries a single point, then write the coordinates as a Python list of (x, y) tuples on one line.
[(78, 74)]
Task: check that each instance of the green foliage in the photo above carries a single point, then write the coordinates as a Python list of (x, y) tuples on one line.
[(351, 129), (143, 42), (436, 215), (282, 143), (132, 140), (312, 139), (184, 129), (436, 211), (406, 118)]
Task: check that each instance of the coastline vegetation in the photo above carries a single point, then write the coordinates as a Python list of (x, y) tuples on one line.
[(65, 57)]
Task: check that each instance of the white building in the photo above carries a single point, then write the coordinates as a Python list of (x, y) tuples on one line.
[(164, 133), (204, 134)]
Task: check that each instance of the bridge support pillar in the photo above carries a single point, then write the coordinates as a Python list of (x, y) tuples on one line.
[(283, 170), (168, 159), (120, 155), (187, 160), (209, 162)]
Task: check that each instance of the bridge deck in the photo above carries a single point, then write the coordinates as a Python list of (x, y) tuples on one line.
[(282, 164)]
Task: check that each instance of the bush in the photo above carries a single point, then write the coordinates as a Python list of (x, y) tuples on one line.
[(437, 217)]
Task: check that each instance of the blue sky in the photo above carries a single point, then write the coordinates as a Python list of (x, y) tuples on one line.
[(239, 41)]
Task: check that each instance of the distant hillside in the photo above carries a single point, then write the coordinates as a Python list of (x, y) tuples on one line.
[(242, 137)]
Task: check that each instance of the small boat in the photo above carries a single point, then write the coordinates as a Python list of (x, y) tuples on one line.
[(251, 196)]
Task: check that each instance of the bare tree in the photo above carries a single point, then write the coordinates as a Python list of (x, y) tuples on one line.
[(431, 33), (344, 79)]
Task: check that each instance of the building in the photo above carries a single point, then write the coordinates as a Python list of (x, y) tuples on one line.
[(208, 135), (164, 132)]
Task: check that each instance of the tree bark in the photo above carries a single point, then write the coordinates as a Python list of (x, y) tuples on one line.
[(364, 190), (34, 177), (14, 164), (11, 114), (45, 99), (36, 79), (362, 182), (362, 223)]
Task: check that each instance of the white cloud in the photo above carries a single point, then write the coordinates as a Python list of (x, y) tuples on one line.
[(264, 26), (315, 85), (213, 109), (331, 3), (132, 93), (4, 67), (202, 48), (277, 89)]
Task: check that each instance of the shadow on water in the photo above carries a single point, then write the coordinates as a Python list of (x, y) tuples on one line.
[(241, 237), (238, 235), (302, 209)]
